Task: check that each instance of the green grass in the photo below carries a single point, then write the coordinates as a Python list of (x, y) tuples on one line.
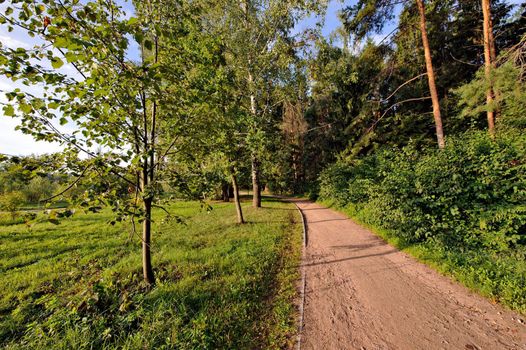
[(501, 278), (7, 219), (40, 206), (219, 285)]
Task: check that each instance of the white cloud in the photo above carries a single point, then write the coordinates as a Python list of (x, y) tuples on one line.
[(12, 42), (14, 142)]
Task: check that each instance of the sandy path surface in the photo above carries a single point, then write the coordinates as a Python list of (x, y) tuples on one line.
[(361, 293)]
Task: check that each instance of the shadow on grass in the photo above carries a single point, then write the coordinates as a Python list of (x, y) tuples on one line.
[(62, 251)]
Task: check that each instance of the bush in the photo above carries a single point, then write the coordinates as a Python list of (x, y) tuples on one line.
[(11, 201), (37, 189), (471, 194), (333, 183)]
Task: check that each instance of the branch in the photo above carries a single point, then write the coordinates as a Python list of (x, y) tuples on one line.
[(394, 105), (69, 187), (401, 86), (162, 208), (463, 62), (318, 127)]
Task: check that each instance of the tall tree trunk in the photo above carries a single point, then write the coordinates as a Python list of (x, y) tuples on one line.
[(256, 186), (146, 242), (431, 75), (256, 196), (237, 202), (489, 59)]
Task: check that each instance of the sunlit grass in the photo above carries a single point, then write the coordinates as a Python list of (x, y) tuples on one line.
[(220, 284)]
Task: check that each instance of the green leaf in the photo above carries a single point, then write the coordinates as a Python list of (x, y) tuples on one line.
[(71, 57), (56, 62), (9, 111), (132, 21), (39, 9), (26, 108), (8, 11)]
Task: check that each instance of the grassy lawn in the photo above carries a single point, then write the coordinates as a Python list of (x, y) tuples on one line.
[(78, 285), (501, 278)]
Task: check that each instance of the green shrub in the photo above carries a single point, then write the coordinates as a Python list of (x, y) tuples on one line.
[(333, 183), (470, 194), (11, 202), (7, 219), (37, 189)]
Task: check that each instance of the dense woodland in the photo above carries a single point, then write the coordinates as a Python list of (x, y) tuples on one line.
[(410, 117)]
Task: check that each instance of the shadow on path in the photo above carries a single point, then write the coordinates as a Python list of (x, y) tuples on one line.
[(391, 251)]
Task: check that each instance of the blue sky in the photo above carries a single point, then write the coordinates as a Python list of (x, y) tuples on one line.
[(13, 142)]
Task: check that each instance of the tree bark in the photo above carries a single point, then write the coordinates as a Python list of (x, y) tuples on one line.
[(237, 202), (431, 75), (256, 197), (256, 186), (146, 243), (489, 59)]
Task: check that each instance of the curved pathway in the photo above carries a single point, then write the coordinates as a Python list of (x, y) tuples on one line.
[(362, 293)]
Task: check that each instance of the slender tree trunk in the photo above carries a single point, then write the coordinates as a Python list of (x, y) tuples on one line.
[(237, 202), (431, 75), (256, 196), (256, 186), (489, 59), (146, 243), (148, 177)]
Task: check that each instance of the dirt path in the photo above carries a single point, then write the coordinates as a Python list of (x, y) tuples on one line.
[(362, 293)]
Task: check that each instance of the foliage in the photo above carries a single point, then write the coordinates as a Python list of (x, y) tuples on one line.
[(38, 189), (372, 93), (220, 285), (510, 100), (11, 202), (131, 93), (7, 219)]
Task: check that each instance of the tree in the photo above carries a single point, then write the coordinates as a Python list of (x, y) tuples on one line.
[(371, 15), (11, 202), (508, 77), (113, 101), (489, 59), (431, 75), (259, 48)]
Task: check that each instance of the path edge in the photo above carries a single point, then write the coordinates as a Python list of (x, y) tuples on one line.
[(303, 280)]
